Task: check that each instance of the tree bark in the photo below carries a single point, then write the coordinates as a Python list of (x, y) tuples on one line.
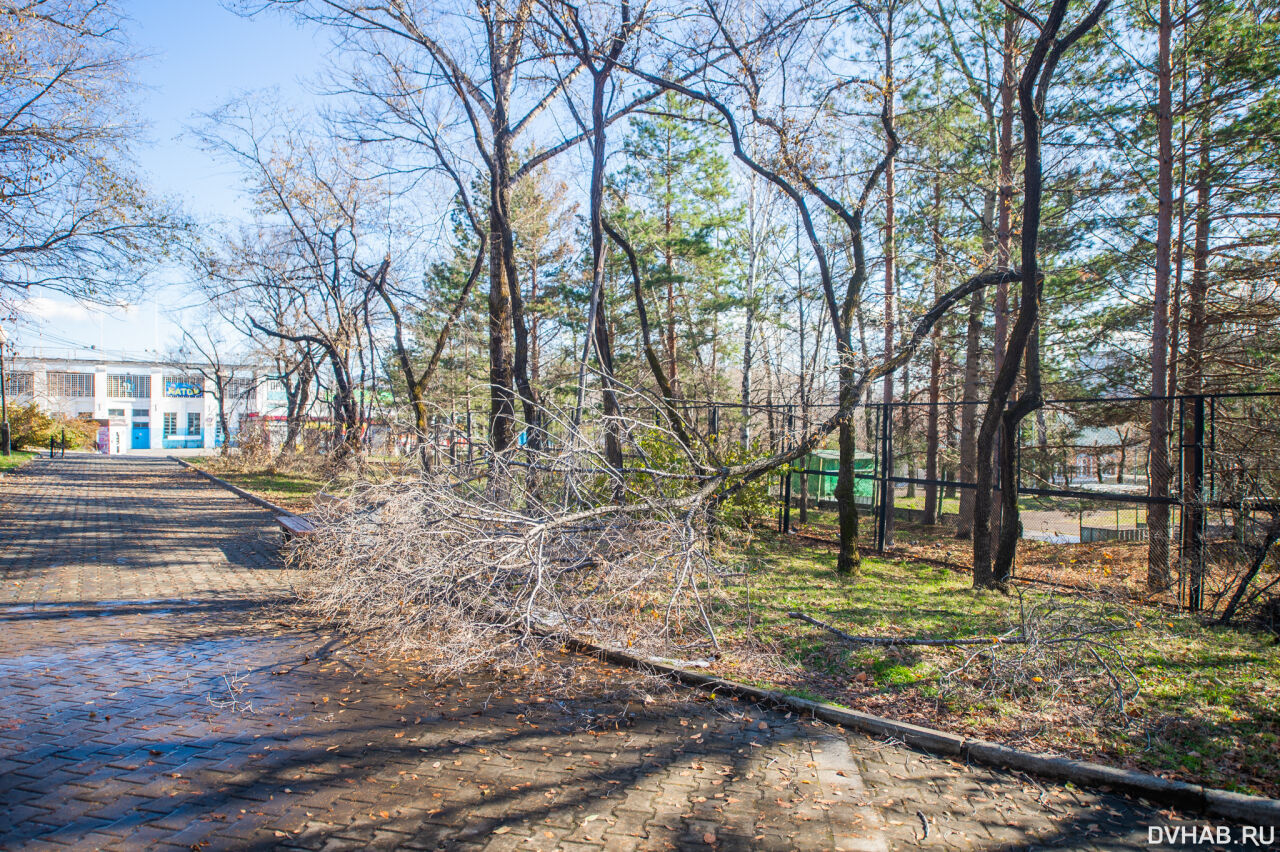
[(1024, 340), (501, 381), (935, 372), (1198, 287), (890, 252), (1158, 576)]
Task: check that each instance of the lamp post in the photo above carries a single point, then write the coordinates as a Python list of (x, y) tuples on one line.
[(5, 447)]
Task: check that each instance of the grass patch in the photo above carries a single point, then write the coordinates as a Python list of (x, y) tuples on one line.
[(16, 460), (288, 485), (290, 489), (1208, 698)]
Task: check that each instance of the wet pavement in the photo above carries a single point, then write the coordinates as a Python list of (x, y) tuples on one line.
[(159, 693)]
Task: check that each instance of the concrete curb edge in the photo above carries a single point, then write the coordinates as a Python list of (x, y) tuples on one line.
[(1257, 810), (234, 489)]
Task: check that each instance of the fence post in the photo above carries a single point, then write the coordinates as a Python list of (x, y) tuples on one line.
[(782, 495), (64, 444), (883, 540), (1193, 508), (786, 502), (470, 451)]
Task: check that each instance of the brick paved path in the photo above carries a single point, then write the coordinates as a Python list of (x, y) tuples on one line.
[(157, 693)]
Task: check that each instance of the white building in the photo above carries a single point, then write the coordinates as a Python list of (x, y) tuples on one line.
[(138, 404)]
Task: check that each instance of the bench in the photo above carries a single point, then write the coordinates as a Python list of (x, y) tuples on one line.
[(301, 526), (295, 526)]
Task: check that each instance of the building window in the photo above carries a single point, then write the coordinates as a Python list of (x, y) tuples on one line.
[(239, 389), (141, 414), (128, 386), (71, 384), (170, 424), (183, 386), (193, 424), (18, 383), (115, 412)]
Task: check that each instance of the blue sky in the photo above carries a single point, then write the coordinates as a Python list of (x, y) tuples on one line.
[(199, 56)]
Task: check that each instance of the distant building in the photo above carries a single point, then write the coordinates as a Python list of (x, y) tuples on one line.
[(138, 404)]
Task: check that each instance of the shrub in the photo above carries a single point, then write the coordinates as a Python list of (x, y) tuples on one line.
[(31, 427)]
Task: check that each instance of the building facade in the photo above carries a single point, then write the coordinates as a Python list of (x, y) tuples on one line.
[(138, 405)]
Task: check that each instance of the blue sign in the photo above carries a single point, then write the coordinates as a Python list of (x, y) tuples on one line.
[(184, 389)]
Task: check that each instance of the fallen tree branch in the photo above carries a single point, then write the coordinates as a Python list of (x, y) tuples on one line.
[(890, 641)]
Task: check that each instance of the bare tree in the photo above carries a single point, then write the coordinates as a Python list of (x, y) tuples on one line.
[(740, 94), (475, 63), (73, 217), (596, 42), (313, 253), (205, 352)]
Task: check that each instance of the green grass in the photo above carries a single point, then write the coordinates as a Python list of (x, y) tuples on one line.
[(285, 484), (1208, 705), (16, 460), (289, 489)]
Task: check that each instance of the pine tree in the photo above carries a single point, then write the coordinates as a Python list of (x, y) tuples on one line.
[(678, 209)]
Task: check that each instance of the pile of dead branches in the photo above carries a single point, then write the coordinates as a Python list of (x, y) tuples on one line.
[(1061, 648), (499, 568)]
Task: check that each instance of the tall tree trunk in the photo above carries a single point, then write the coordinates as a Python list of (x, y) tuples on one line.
[(804, 396), (969, 389), (748, 334), (1024, 339), (1198, 287), (935, 371), (847, 558), (668, 222), (597, 324), (890, 252), (501, 381), (1004, 206), (969, 413), (1004, 230), (535, 350), (1158, 577), (931, 428), (948, 472), (903, 437)]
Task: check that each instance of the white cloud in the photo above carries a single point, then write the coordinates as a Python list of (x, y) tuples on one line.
[(46, 308)]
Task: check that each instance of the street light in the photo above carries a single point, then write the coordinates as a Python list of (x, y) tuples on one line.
[(5, 446)]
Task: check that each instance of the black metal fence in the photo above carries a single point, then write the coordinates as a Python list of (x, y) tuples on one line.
[(1083, 474)]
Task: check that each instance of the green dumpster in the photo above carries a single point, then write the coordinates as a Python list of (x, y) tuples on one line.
[(824, 487)]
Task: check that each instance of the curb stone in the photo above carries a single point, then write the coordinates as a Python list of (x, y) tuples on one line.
[(234, 489), (1177, 793), (1256, 810), (1253, 809)]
